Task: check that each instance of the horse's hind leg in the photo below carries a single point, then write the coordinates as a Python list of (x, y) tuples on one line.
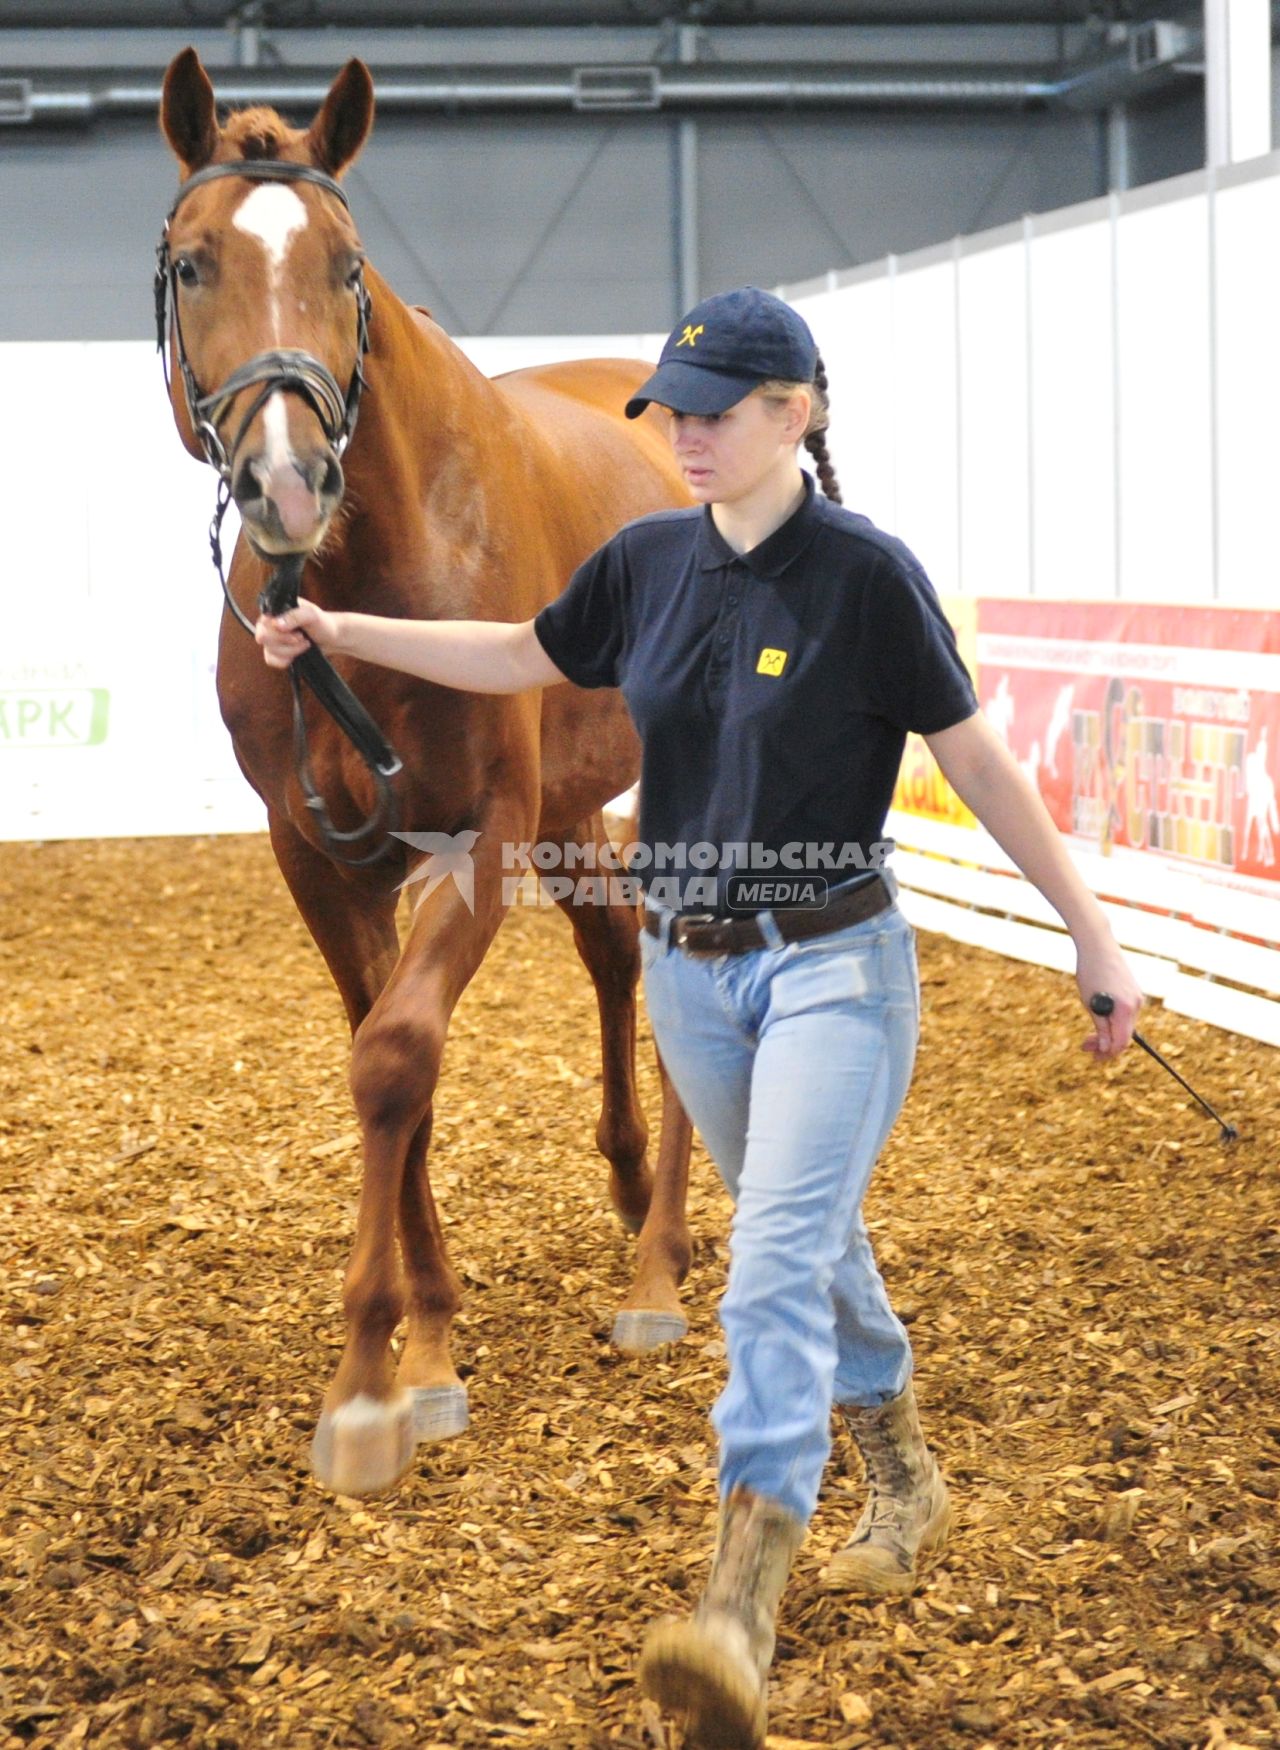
[(652, 1205), (651, 1315), (605, 937)]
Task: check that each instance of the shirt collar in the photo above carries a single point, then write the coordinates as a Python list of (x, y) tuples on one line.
[(776, 552)]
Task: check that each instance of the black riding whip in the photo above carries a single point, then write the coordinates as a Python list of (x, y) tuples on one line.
[(1102, 1004)]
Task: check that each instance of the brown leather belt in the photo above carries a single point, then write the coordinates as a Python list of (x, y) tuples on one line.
[(706, 933)]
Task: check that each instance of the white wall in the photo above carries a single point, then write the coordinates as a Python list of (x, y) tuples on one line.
[(1080, 406), (109, 605)]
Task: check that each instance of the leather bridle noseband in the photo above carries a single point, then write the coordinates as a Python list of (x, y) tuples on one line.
[(289, 371)]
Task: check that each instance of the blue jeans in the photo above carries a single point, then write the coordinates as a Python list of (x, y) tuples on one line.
[(793, 1062)]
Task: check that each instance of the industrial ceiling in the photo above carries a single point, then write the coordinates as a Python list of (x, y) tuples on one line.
[(675, 56), (399, 14)]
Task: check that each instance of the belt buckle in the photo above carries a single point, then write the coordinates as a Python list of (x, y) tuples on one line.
[(698, 919)]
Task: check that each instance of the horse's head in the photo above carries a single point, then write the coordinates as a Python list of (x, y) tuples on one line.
[(262, 268)]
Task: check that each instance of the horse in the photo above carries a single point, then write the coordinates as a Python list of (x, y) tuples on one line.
[(459, 497)]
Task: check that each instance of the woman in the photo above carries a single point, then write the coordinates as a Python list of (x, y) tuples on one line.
[(774, 650)]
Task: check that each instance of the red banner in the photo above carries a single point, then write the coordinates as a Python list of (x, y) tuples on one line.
[(1155, 728)]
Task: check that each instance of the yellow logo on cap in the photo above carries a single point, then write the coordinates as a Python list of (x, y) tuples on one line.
[(771, 662), (690, 335)]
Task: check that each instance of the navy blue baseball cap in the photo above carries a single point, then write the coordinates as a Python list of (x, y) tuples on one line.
[(726, 347)]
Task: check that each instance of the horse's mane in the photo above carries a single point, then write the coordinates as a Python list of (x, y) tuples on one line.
[(259, 133)]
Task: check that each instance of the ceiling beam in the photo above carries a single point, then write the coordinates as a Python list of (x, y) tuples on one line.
[(82, 97), (399, 14)]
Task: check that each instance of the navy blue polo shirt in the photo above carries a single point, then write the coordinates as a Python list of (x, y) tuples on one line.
[(772, 691)]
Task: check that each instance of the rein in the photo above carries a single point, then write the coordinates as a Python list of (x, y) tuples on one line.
[(289, 371)]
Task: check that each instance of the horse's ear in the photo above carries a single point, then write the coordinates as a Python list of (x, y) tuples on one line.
[(342, 126), (187, 112)]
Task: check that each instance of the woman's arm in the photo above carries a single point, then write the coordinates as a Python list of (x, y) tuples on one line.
[(985, 775), (476, 656)]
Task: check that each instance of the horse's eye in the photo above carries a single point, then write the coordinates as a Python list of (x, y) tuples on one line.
[(185, 269)]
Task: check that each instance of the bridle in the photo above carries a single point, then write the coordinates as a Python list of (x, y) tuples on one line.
[(287, 368), (290, 371)]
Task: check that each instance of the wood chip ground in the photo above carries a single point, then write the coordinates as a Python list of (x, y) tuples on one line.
[(1092, 1283)]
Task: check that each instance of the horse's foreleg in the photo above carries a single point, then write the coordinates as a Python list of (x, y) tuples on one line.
[(354, 926), (366, 1436)]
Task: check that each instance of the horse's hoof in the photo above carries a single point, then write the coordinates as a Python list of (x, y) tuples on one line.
[(439, 1411), (364, 1446), (638, 1332)]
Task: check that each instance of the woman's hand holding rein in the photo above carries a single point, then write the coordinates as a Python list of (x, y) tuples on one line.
[(285, 636), (475, 656)]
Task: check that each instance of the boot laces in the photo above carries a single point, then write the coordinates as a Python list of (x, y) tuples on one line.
[(886, 1462), (886, 1512)]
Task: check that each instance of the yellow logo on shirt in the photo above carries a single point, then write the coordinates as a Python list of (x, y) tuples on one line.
[(771, 662), (690, 335)]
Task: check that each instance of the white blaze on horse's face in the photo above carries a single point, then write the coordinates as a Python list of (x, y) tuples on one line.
[(274, 214)]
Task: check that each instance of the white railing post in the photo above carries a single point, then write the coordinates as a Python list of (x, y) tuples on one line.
[(1237, 80)]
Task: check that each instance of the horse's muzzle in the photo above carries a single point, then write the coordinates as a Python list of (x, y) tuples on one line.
[(286, 507)]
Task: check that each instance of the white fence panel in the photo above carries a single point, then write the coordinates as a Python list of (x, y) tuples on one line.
[(854, 331), (1247, 296), (1166, 431), (924, 419), (1073, 436), (42, 463), (994, 436)]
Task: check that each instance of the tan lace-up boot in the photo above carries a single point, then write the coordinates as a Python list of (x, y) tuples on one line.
[(907, 1511), (712, 1668)]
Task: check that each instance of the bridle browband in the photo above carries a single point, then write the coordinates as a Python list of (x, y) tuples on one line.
[(289, 371)]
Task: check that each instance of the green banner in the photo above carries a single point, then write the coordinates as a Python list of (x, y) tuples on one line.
[(54, 717)]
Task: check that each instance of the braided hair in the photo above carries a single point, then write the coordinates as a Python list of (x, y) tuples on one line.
[(815, 438), (819, 416)]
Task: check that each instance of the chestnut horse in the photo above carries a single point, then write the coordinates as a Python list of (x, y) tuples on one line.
[(460, 498)]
